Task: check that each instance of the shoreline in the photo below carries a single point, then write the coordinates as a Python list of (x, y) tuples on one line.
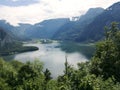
[(19, 50)]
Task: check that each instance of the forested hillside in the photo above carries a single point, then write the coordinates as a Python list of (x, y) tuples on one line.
[(95, 30), (73, 29), (6, 41), (45, 29), (90, 27), (10, 45)]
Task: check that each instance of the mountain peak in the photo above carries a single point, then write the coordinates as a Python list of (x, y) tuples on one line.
[(92, 11), (115, 6)]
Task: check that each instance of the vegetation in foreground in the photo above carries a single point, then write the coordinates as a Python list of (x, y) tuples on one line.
[(101, 73)]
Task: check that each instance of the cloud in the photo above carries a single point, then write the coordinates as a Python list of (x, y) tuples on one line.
[(14, 0), (17, 2), (46, 9)]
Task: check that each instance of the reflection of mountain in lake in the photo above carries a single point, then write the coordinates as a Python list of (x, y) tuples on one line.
[(52, 57)]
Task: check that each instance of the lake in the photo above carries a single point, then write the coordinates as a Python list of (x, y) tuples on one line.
[(52, 55)]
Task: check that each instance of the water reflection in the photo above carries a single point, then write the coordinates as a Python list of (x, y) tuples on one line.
[(53, 58)]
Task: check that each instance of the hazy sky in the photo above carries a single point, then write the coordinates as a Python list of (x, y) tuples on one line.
[(33, 11)]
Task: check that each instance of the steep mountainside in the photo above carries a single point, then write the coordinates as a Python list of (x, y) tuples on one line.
[(6, 35), (73, 29), (5, 25), (5, 38), (45, 29), (9, 29), (95, 30), (20, 30), (10, 45)]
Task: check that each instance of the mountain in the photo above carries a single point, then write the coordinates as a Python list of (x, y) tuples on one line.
[(6, 40), (73, 29), (95, 30), (46, 28), (5, 25), (20, 30), (9, 29), (10, 44), (86, 28)]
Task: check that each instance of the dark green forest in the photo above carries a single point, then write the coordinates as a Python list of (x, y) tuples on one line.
[(15, 47), (102, 72), (9, 44)]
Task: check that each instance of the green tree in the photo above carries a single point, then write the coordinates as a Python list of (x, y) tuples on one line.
[(16, 64), (47, 74), (4, 85), (52, 85), (30, 77), (106, 61)]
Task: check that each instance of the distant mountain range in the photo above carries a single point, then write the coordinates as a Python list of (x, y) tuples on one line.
[(46, 29), (95, 30), (90, 27), (86, 28), (73, 29)]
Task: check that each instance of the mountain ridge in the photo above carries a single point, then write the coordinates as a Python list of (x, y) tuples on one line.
[(86, 28), (72, 30), (95, 30)]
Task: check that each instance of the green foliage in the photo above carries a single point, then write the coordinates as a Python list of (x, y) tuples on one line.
[(26, 73), (16, 64), (91, 82), (30, 76), (52, 85), (106, 60), (64, 83), (6, 70), (4, 85), (47, 74), (17, 76)]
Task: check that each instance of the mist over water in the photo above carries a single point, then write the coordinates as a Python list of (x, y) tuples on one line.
[(53, 58)]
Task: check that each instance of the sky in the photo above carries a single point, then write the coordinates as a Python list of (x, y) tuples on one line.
[(34, 11)]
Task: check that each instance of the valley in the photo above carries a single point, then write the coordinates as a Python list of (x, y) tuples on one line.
[(49, 51), (72, 48), (78, 35)]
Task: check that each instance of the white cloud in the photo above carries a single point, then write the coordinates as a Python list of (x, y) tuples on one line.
[(14, 0), (47, 9)]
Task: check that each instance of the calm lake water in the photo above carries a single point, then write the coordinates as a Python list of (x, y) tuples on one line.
[(52, 57)]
